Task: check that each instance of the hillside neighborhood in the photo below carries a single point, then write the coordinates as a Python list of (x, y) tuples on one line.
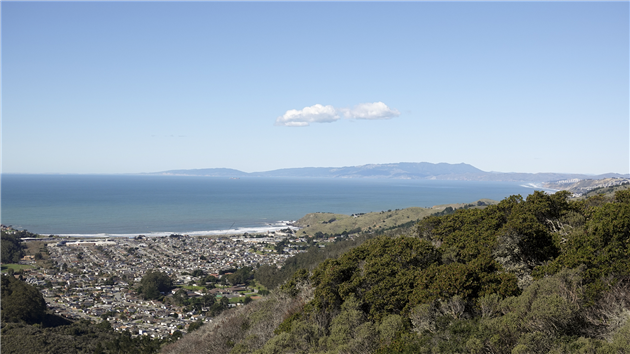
[(579, 187), (95, 279)]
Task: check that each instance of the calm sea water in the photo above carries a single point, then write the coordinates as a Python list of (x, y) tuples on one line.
[(160, 205)]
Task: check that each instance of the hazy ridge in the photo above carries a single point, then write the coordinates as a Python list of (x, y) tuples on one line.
[(402, 170)]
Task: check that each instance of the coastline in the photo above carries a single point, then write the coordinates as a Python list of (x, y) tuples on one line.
[(279, 225), (128, 206)]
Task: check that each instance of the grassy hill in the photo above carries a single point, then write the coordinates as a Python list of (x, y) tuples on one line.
[(607, 192), (336, 224)]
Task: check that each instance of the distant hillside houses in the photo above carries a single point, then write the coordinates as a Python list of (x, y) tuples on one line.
[(579, 187), (568, 181), (90, 243)]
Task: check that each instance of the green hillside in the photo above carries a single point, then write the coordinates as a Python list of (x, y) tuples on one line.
[(336, 224), (535, 275), (604, 191)]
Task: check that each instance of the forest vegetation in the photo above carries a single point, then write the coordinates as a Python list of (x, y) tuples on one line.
[(12, 248), (542, 274)]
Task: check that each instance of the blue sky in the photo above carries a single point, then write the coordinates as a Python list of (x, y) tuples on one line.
[(124, 87)]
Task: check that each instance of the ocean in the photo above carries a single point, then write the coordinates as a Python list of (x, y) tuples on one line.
[(129, 205)]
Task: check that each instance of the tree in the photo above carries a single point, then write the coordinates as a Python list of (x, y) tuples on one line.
[(280, 246), (208, 300), (241, 276), (21, 302), (12, 249), (181, 297), (154, 283)]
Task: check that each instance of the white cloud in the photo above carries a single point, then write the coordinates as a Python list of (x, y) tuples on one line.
[(327, 114), (376, 110), (312, 114)]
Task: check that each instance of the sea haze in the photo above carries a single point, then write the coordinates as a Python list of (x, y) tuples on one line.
[(128, 205)]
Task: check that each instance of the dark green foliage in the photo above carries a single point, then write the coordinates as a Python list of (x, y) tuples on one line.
[(153, 284), (21, 302), (471, 232), (602, 245), (197, 273), (79, 337), (287, 324), (242, 276), (476, 278), (224, 271), (518, 234), (197, 303), (195, 326), (382, 272), (271, 276), (12, 249), (280, 246), (548, 309), (181, 297), (267, 275)]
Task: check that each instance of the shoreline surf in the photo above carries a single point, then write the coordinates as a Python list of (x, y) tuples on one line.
[(280, 225)]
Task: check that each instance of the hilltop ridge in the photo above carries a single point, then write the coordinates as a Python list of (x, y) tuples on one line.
[(401, 170)]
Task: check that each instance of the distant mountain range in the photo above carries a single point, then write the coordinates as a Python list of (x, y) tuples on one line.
[(402, 170)]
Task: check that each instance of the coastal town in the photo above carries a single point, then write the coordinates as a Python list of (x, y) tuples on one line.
[(97, 279)]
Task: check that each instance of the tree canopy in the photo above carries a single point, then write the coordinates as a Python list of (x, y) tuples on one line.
[(21, 302), (154, 283), (12, 249)]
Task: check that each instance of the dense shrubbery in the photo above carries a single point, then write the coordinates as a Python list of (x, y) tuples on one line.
[(75, 337), (10, 248), (21, 302), (598, 237), (241, 276), (534, 275), (271, 276)]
